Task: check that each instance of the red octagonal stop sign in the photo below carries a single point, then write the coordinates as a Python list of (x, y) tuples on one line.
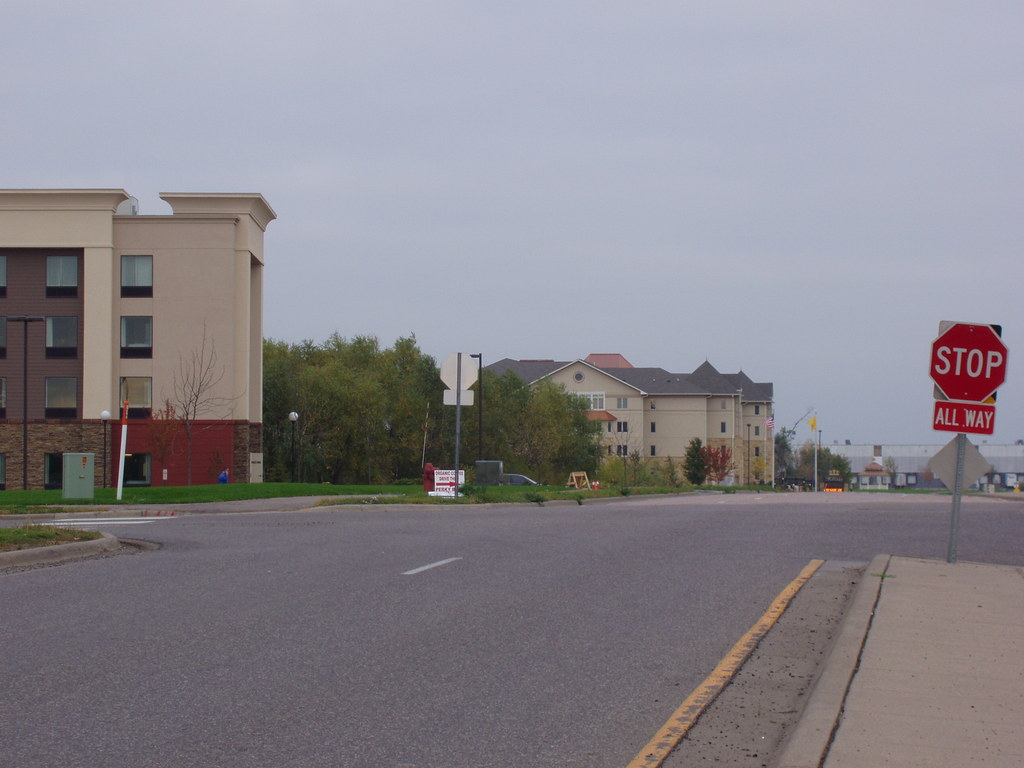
[(968, 362)]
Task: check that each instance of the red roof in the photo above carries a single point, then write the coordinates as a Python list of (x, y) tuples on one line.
[(608, 360)]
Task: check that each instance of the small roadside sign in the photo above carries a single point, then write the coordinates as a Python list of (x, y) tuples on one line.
[(445, 482)]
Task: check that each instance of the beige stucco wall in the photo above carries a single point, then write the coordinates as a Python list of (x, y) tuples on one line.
[(46, 218), (196, 291)]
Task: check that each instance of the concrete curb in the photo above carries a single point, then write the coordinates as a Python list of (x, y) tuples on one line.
[(810, 741), (58, 552)]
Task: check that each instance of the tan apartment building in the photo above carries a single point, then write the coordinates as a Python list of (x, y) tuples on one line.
[(102, 307), (656, 414)]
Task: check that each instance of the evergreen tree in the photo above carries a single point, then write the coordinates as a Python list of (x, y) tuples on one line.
[(694, 467)]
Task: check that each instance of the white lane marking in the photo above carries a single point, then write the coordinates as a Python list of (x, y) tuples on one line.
[(423, 568), (94, 521)]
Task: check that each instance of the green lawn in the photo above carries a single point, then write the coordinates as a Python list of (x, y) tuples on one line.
[(14, 502), (25, 502), (31, 536)]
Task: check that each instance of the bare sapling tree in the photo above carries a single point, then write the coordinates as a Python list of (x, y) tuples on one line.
[(196, 392), (163, 429)]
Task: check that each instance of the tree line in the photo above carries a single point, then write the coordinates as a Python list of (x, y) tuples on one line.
[(368, 414)]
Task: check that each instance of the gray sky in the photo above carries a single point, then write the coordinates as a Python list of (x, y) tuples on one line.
[(801, 190)]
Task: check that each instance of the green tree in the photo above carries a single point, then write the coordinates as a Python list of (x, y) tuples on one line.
[(827, 461), (784, 456), (539, 430), (363, 416), (694, 467), (362, 409)]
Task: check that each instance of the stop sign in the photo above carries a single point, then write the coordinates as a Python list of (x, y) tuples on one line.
[(968, 361)]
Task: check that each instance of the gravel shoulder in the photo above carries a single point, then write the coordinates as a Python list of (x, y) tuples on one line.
[(749, 722)]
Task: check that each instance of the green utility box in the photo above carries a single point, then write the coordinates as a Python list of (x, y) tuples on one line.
[(78, 475)]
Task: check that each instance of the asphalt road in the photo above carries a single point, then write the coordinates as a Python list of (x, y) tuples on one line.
[(539, 636)]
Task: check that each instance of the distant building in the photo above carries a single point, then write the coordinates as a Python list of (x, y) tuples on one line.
[(656, 414), (123, 308), (907, 465)]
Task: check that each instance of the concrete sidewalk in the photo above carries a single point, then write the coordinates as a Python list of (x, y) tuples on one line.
[(928, 670)]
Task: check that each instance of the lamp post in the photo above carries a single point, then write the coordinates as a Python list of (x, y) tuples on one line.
[(24, 320), (105, 418), (480, 406), (748, 454), (293, 417)]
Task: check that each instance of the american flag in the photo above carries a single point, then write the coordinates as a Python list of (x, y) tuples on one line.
[(769, 423)]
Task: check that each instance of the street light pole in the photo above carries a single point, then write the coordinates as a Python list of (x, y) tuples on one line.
[(480, 413), (24, 320), (293, 417), (748, 454)]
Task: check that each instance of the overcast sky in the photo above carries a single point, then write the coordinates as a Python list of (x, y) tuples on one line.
[(801, 190)]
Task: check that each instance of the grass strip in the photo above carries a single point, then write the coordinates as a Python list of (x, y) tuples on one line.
[(31, 536)]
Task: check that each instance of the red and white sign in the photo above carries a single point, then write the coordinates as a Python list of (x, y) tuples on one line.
[(968, 361), (444, 482), (969, 418)]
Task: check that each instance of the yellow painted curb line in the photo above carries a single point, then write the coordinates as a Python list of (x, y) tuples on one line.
[(658, 748)]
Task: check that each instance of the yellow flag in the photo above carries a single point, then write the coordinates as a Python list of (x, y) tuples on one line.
[(813, 422)]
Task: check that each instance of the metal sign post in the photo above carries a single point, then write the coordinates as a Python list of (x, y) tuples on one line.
[(958, 489), (458, 419), (968, 365), (457, 394)]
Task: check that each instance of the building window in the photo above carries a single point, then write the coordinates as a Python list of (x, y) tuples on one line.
[(136, 276), (3, 398), (137, 337), (3, 276), (62, 337), (3, 337), (622, 426), (61, 275), (61, 397), (3, 471), (757, 451), (652, 405), (137, 391), (723, 427), (622, 450), (137, 469), (653, 451), (53, 471), (757, 410), (654, 427), (596, 399), (757, 430), (622, 402)]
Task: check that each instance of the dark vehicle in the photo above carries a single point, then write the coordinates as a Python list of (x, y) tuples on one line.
[(517, 480)]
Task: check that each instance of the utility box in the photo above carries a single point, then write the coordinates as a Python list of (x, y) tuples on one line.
[(79, 480), (489, 472)]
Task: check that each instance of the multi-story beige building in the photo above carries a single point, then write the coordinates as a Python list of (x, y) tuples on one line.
[(101, 306), (656, 414)]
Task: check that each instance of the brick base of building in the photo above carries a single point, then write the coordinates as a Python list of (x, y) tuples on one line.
[(215, 446)]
